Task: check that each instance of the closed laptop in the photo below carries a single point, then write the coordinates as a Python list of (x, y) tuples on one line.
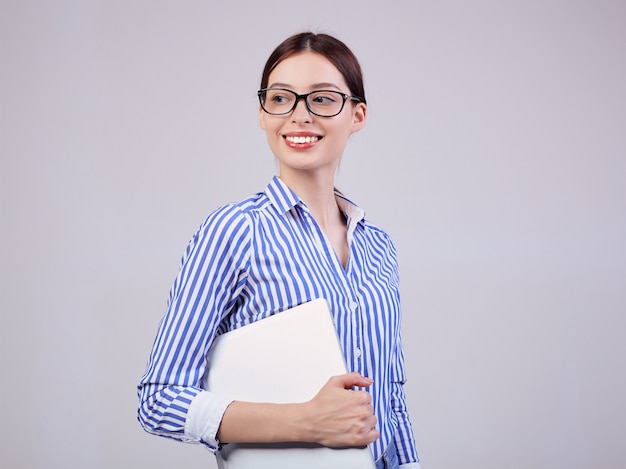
[(284, 358)]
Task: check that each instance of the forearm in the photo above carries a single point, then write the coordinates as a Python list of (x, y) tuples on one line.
[(405, 440), (245, 422)]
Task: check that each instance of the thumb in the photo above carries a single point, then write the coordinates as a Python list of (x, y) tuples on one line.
[(350, 380)]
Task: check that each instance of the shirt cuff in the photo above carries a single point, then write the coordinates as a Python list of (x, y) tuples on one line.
[(411, 465), (203, 419)]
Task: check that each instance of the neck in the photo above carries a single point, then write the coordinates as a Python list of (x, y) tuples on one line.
[(318, 193)]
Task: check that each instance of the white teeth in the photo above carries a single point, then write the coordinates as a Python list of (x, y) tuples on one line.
[(301, 139)]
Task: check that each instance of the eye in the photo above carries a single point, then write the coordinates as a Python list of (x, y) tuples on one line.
[(325, 97), (279, 97)]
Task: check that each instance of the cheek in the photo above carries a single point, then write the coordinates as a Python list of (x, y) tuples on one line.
[(344, 129), (269, 124), (272, 136)]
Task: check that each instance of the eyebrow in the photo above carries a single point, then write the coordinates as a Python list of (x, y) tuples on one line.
[(315, 86)]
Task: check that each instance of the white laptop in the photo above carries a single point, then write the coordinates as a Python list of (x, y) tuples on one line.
[(284, 358)]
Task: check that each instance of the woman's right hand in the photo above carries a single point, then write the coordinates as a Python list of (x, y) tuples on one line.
[(340, 416)]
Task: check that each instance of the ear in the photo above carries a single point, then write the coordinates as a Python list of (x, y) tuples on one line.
[(359, 116), (261, 118)]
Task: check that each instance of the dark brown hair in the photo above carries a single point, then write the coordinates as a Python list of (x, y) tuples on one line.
[(332, 48)]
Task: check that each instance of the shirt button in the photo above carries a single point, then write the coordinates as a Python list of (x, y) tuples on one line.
[(353, 306), (357, 352)]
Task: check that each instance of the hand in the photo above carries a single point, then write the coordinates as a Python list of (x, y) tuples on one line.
[(340, 416)]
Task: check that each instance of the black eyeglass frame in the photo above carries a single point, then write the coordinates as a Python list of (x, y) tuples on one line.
[(304, 97)]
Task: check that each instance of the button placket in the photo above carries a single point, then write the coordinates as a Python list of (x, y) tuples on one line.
[(356, 334), (343, 276)]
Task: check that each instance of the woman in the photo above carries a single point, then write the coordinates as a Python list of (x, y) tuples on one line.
[(298, 240)]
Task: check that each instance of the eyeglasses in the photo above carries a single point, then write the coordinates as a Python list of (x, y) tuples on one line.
[(323, 103)]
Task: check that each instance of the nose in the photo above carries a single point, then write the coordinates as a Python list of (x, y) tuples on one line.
[(301, 112)]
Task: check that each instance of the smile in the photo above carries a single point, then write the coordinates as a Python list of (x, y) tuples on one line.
[(302, 139)]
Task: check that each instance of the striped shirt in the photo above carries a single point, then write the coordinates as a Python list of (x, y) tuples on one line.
[(256, 258)]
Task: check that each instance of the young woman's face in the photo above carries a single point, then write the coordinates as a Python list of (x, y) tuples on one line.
[(324, 137)]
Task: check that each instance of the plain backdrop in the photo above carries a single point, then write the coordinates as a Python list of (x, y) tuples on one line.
[(494, 155)]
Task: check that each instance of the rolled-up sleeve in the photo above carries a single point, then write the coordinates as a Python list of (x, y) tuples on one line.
[(203, 419)]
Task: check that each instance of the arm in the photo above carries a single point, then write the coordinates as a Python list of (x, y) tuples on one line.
[(404, 437), (337, 416), (405, 441), (212, 274)]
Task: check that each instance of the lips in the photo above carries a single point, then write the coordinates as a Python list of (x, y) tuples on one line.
[(301, 140)]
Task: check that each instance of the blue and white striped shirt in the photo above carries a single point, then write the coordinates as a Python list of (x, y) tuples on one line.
[(258, 257)]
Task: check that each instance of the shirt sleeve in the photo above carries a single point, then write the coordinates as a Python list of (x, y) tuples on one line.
[(404, 438), (213, 273), (203, 419)]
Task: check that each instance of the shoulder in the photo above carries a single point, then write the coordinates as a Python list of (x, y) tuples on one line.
[(233, 214), (376, 245), (228, 225), (375, 232)]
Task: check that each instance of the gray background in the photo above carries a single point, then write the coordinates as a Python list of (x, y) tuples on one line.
[(494, 155)]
